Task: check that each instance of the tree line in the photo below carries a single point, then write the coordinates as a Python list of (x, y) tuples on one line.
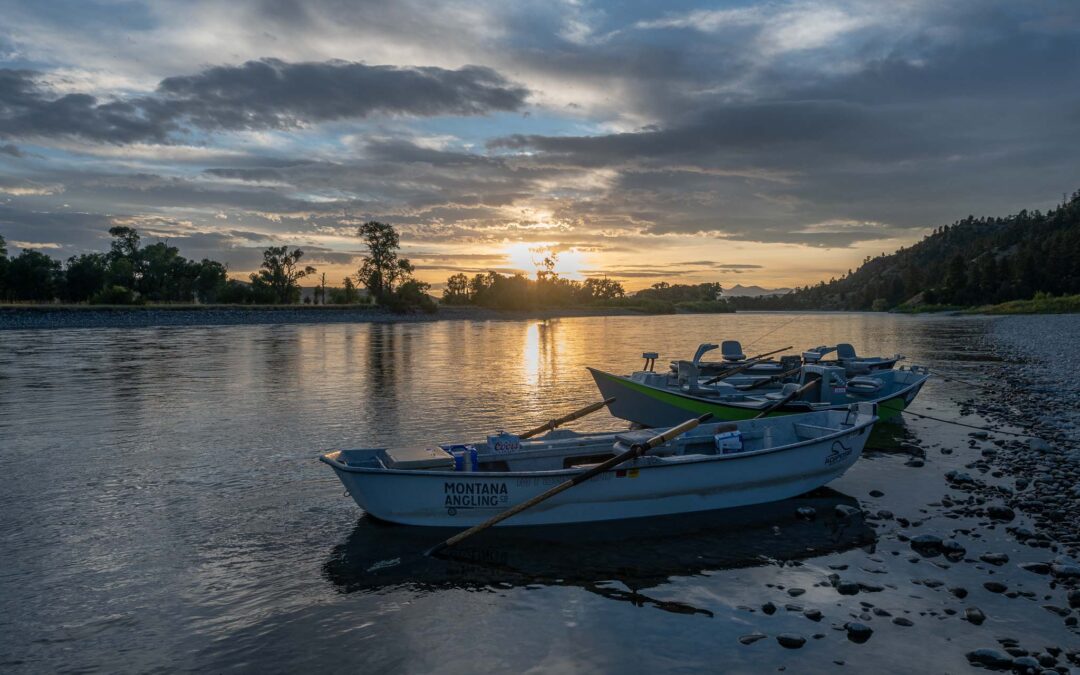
[(974, 261), (133, 273)]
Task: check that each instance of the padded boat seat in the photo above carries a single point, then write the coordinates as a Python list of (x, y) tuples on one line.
[(641, 436), (419, 458), (787, 389), (732, 350), (865, 385), (845, 352)]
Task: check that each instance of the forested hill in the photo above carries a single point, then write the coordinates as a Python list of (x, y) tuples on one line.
[(974, 261)]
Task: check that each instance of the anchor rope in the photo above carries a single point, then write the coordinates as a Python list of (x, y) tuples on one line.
[(990, 430)]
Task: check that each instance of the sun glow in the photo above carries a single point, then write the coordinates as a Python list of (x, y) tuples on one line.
[(529, 257)]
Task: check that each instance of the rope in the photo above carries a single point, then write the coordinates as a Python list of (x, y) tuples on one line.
[(956, 379), (959, 424)]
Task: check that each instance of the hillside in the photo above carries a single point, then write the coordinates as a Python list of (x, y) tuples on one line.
[(975, 261)]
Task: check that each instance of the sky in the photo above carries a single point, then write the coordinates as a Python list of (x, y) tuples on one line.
[(771, 143)]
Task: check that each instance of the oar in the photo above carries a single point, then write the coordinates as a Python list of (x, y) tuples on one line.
[(559, 421), (798, 392), (750, 363), (635, 451), (763, 382)]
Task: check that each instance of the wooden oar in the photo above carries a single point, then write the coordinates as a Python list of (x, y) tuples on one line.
[(798, 392), (559, 421), (750, 363), (635, 451)]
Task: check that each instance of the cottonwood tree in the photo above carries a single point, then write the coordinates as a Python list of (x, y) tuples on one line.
[(280, 274), (382, 270)]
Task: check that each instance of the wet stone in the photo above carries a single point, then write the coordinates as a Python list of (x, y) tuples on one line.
[(847, 588), (1074, 598), (844, 511), (768, 608), (858, 632), (995, 587), (790, 640), (1002, 513), (1065, 571), (752, 638), (997, 559), (1026, 664), (806, 513), (903, 621), (927, 544), (877, 493), (813, 614), (974, 615), (989, 658), (1035, 567), (796, 592)]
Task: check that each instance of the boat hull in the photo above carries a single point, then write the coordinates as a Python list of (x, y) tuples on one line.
[(655, 407), (638, 489)]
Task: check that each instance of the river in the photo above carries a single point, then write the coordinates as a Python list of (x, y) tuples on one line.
[(163, 509)]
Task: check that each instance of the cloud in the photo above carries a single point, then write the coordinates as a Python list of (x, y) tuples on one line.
[(263, 94)]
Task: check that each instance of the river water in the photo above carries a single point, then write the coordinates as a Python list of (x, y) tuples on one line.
[(163, 509)]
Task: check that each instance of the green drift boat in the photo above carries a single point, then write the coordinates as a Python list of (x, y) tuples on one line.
[(654, 399)]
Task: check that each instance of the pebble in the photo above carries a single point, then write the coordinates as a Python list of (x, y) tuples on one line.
[(926, 544), (996, 559), (995, 587), (769, 608), (990, 658), (806, 513), (795, 592), (903, 621), (752, 638), (1002, 513), (974, 615), (790, 640), (813, 614), (858, 632)]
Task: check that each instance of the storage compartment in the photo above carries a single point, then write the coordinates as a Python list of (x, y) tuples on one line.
[(419, 458)]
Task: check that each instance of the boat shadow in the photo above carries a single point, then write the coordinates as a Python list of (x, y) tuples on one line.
[(616, 560)]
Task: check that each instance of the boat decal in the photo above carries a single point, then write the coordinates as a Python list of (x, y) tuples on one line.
[(837, 453), (474, 495)]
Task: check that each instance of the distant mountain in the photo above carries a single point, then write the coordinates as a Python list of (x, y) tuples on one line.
[(974, 261), (740, 291)]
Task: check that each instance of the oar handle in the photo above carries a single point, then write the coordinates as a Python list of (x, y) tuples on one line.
[(635, 451), (559, 421), (750, 363)]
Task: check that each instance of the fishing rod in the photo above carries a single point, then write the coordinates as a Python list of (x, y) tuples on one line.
[(989, 430), (767, 334)]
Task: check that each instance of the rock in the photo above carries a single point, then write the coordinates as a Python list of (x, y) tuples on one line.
[(953, 550), (877, 493), (769, 608), (843, 511), (1036, 567), (959, 477), (858, 632), (790, 640), (752, 638), (847, 588), (1065, 571), (885, 514), (996, 559), (813, 614), (927, 544), (795, 592), (1039, 445), (974, 615), (1002, 513), (1026, 664), (870, 588), (806, 513), (990, 658), (915, 463), (995, 587), (1074, 598), (903, 621)]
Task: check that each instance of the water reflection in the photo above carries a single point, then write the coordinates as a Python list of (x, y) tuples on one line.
[(637, 555)]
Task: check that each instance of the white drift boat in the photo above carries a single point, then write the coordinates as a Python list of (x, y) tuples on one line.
[(714, 466)]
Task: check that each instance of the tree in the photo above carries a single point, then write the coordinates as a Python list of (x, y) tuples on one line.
[(124, 257), (603, 289), (320, 291), (84, 277), (32, 275), (382, 270), (280, 274), (457, 290), (210, 281)]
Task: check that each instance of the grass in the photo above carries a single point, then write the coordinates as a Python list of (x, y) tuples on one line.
[(1042, 303)]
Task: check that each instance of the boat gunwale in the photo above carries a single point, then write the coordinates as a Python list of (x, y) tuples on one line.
[(694, 459)]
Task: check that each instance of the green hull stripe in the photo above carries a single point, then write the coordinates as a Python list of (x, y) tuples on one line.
[(887, 409)]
